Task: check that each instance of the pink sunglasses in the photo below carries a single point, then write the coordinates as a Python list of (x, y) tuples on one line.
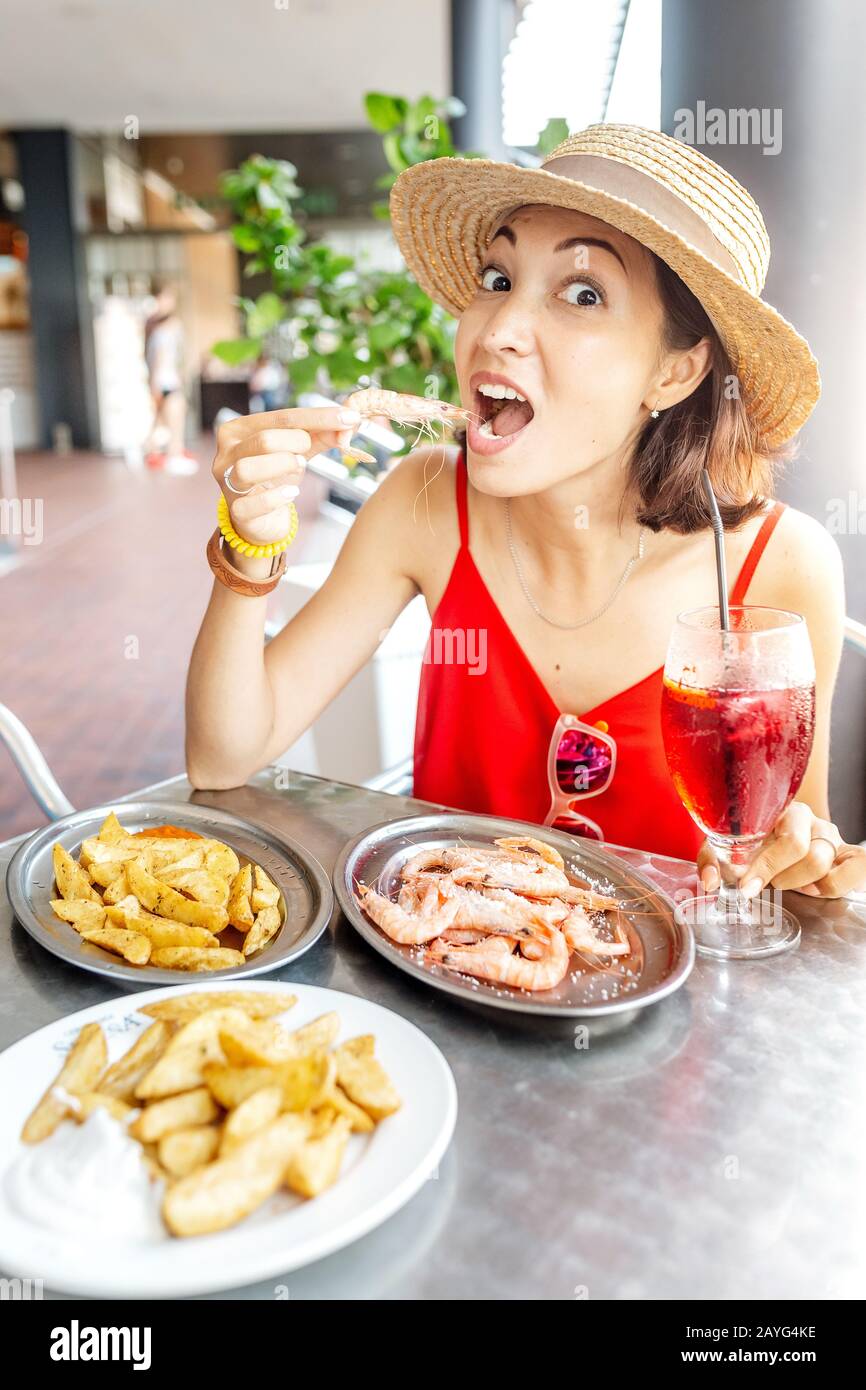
[(580, 764)]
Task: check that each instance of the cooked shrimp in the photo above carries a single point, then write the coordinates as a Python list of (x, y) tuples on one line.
[(581, 935), (402, 926), (551, 911), (547, 882), (507, 969), (477, 910), (525, 844), (405, 409), (587, 897), (461, 936), (424, 861)]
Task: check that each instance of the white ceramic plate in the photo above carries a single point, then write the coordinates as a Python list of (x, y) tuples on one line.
[(381, 1171)]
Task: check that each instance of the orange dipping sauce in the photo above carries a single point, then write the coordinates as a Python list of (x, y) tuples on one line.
[(167, 832)]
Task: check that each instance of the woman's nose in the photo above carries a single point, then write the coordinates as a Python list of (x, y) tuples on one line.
[(512, 324)]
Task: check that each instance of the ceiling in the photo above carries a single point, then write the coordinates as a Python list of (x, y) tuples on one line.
[(220, 65)]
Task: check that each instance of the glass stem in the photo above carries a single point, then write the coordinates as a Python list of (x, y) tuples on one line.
[(731, 909)]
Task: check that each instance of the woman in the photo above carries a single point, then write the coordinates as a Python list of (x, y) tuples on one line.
[(555, 548)]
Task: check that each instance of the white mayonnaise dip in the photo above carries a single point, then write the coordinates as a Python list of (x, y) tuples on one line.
[(87, 1179)]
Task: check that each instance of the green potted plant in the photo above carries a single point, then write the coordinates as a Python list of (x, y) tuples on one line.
[(334, 324)]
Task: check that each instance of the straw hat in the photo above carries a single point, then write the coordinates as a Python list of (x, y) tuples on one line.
[(665, 194)]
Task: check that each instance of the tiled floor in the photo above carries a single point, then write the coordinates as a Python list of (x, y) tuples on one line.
[(97, 623)]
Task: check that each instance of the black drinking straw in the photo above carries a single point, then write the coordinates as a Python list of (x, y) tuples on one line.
[(725, 617), (719, 537)]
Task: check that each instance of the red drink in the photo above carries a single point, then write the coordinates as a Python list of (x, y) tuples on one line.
[(737, 757)]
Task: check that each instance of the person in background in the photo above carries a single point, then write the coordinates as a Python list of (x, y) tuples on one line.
[(268, 384), (163, 353)]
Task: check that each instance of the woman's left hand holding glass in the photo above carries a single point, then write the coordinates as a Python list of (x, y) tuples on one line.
[(802, 852)]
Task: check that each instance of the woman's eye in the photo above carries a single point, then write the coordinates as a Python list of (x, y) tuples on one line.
[(583, 294), (489, 277)]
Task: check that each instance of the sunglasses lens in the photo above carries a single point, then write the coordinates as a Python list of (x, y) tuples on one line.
[(572, 825), (582, 762)]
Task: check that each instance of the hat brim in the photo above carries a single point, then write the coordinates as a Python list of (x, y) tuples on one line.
[(443, 212)]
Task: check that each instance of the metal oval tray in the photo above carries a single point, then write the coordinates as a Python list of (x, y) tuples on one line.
[(665, 949), (306, 904)]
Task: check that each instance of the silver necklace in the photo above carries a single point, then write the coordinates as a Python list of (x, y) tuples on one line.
[(568, 627)]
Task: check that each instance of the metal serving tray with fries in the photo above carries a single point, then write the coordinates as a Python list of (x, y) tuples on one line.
[(305, 895), (662, 950)]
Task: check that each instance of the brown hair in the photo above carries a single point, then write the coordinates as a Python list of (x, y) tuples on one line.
[(711, 428)]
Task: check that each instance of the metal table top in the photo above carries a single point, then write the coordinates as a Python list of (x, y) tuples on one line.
[(713, 1150)]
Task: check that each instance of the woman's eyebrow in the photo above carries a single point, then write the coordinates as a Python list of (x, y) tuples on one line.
[(511, 235)]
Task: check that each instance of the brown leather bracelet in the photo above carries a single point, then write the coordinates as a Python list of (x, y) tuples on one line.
[(236, 581)]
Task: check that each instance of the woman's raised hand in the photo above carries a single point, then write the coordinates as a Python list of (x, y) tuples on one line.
[(267, 455)]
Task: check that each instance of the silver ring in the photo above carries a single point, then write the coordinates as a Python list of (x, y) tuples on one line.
[(827, 841), (239, 492)]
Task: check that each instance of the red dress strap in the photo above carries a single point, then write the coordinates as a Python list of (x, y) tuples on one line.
[(462, 488), (744, 578)]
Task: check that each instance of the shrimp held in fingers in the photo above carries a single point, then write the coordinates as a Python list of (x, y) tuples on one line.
[(405, 409)]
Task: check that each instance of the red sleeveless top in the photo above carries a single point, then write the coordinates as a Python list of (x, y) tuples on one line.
[(485, 719)]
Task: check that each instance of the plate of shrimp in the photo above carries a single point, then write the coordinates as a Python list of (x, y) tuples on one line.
[(514, 916)]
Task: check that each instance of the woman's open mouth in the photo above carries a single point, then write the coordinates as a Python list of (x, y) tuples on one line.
[(502, 413)]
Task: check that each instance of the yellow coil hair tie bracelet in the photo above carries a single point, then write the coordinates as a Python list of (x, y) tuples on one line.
[(258, 552)]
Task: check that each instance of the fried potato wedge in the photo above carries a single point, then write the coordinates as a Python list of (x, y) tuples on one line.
[(167, 902), (227, 1190), (80, 1072), (265, 892), (107, 873), (162, 1117), (196, 958), (98, 1100), (182, 1007), (264, 1042), (364, 1045), (122, 1077), (132, 945), (320, 1033), (193, 860), (170, 1075), (251, 1115), (185, 1150), (159, 931), (240, 913), (204, 887), (111, 830), (263, 930), (81, 913), (94, 850), (220, 859), (366, 1082), (195, 1043), (72, 881), (360, 1121), (118, 889), (304, 1082), (315, 1164)]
